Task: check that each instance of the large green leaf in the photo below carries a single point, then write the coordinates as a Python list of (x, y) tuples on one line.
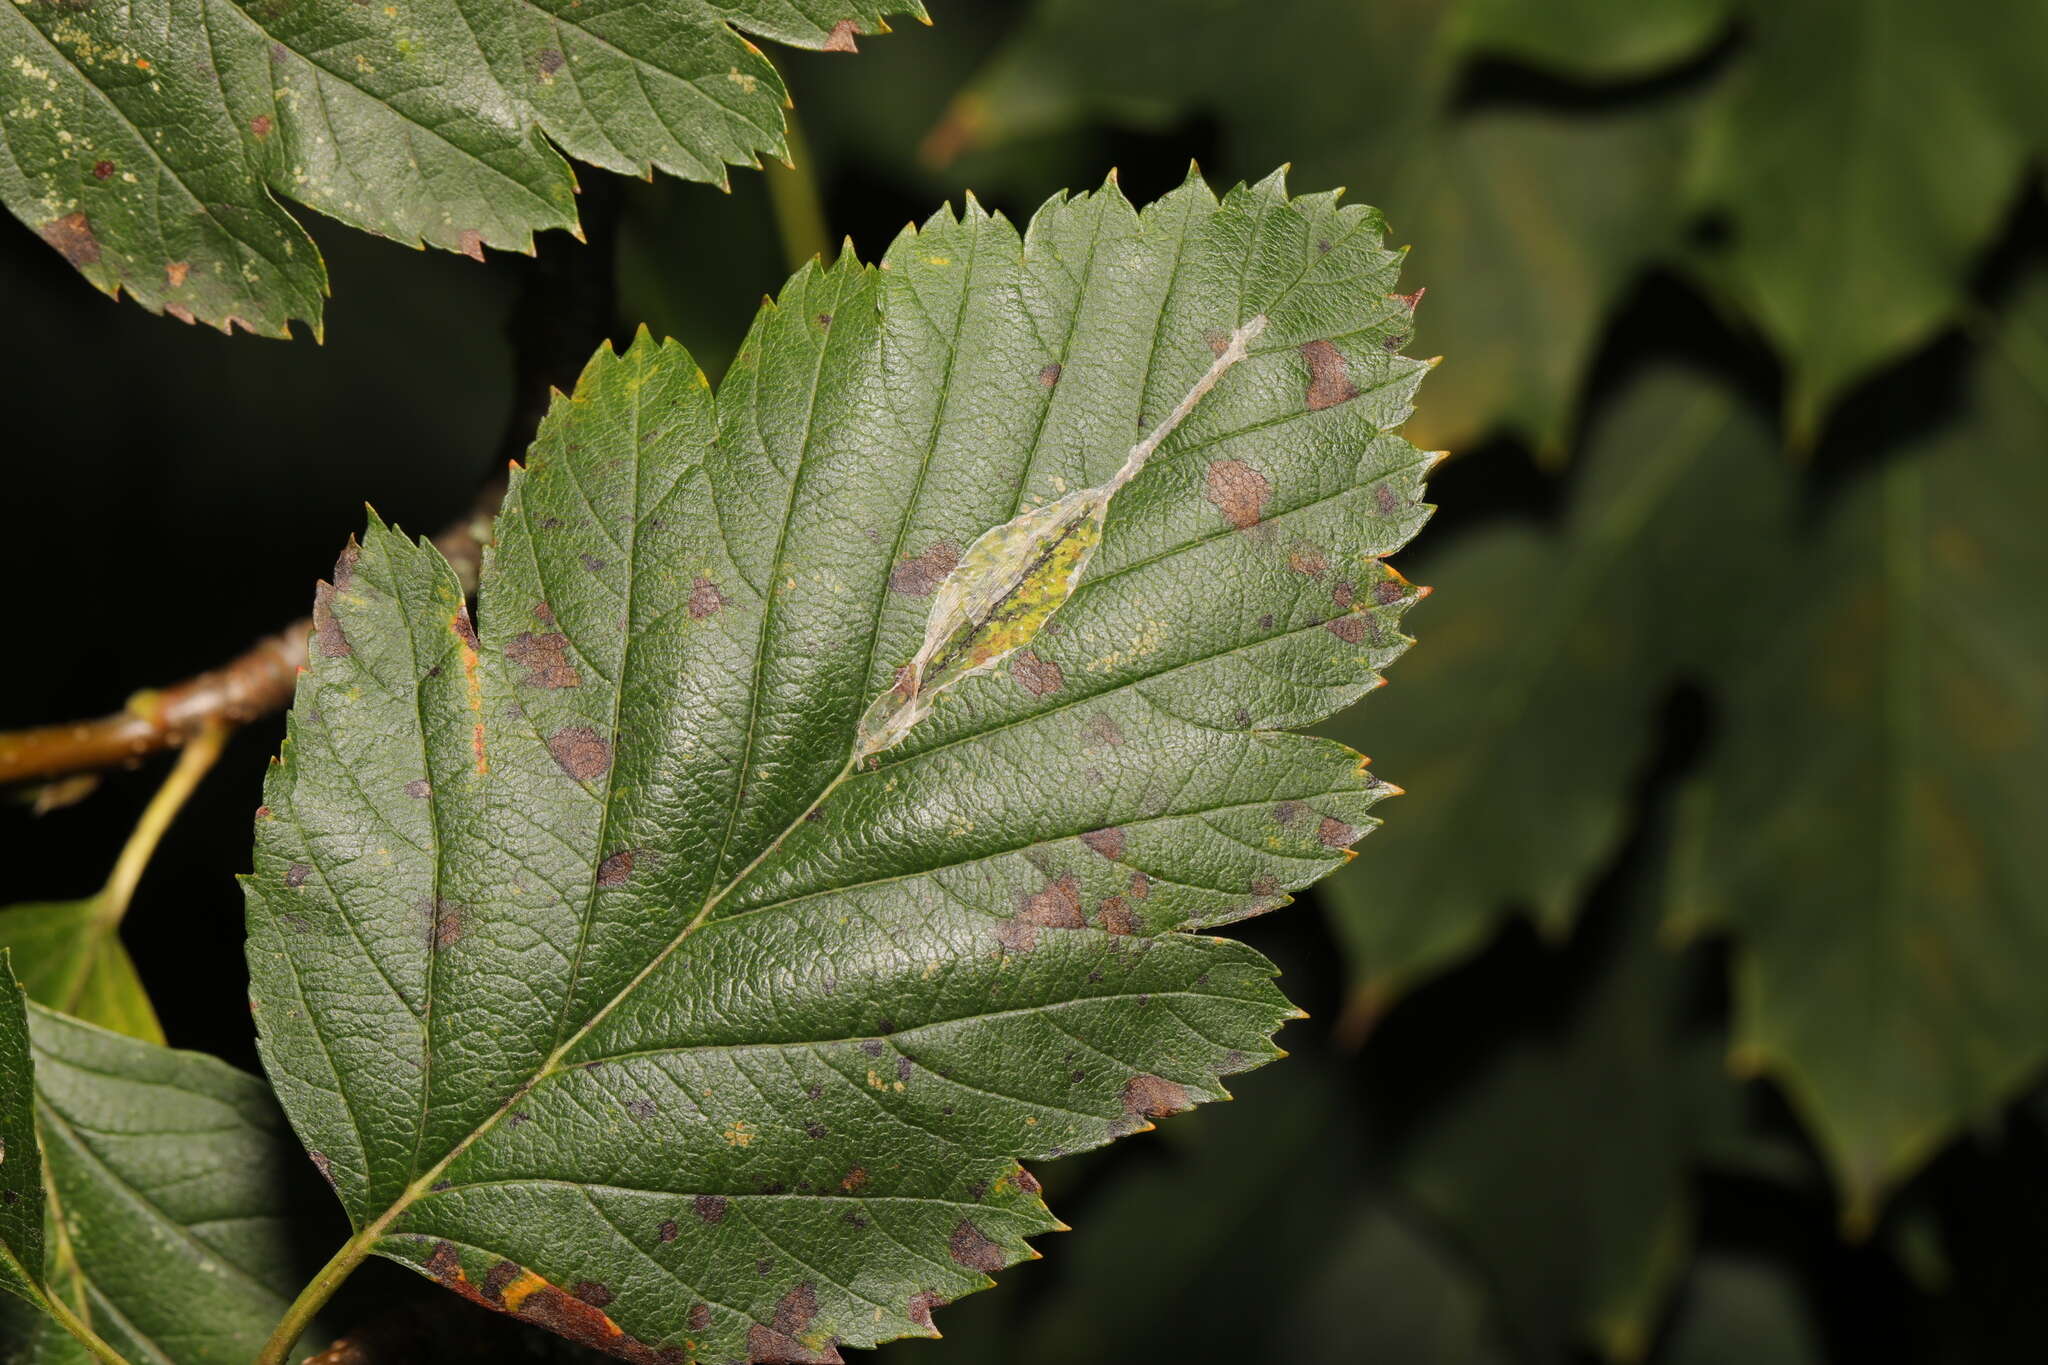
[(1528, 224), (151, 143), (1520, 731), (1861, 159), (1861, 832), (612, 993)]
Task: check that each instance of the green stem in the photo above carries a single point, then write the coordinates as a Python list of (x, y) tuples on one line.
[(194, 760), (799, 211), (315, 1295), (54, 1305)]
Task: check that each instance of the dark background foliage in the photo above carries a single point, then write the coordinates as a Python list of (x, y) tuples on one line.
[(1483, 1174)]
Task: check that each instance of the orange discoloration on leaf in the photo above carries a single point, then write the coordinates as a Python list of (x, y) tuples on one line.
[(175, 272), (512, 1289)]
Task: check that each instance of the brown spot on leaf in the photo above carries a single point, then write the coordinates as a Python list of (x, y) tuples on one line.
[(1101, 729), (591, 562), (854, 1179), (1154, 1097), (445, 926), (1265, 886), (175, 272), (464, 628), (324, 1166), (970, 1247), (1410, 301), (1341, 595), (614, 870), (595, 1294), (470, 243), (841, 38), (1108, 842), (1383, 498), (711, 1207), (1349, 629), (1238, 491), (419, 789), (700, 1316), (1057, 906), (345, 565), (581, 752), (1028, 1182), (545, 659), (1141, 886), (102, 169), (1307, 559), (261, 126), (920, 577), (667, 1231), (1328, 382), (295, 875), (1388, 591), (1050, 375), (328, 636), (549, 61), (1334, 833), (1115, 917), (705, 598), (1035, 675), (779, 1344)]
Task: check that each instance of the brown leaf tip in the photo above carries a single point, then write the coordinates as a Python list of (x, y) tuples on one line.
[(1154, 1097), (841, 38)]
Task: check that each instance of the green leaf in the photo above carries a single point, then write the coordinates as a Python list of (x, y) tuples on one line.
[(151, 147), (1598, 39), (1529, 224), (1521, 730), (1565, 1161), (613, 993), (21, 1173), (1855, 833), (72, 960), (1863, 157), (171, 1200), (1740, 1309)]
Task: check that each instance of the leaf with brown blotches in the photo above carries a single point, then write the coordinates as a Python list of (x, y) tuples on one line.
[(684, 1014)]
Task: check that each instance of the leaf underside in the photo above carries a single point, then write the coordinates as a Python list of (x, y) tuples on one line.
[(151, 143), (609, 995)]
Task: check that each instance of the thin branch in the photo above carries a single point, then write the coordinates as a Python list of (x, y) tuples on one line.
[(564, 311)]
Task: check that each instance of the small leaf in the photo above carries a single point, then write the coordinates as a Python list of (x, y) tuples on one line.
[(151, 151), (1593, 39), (1863, 158), (618, 996), (71, 959)]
